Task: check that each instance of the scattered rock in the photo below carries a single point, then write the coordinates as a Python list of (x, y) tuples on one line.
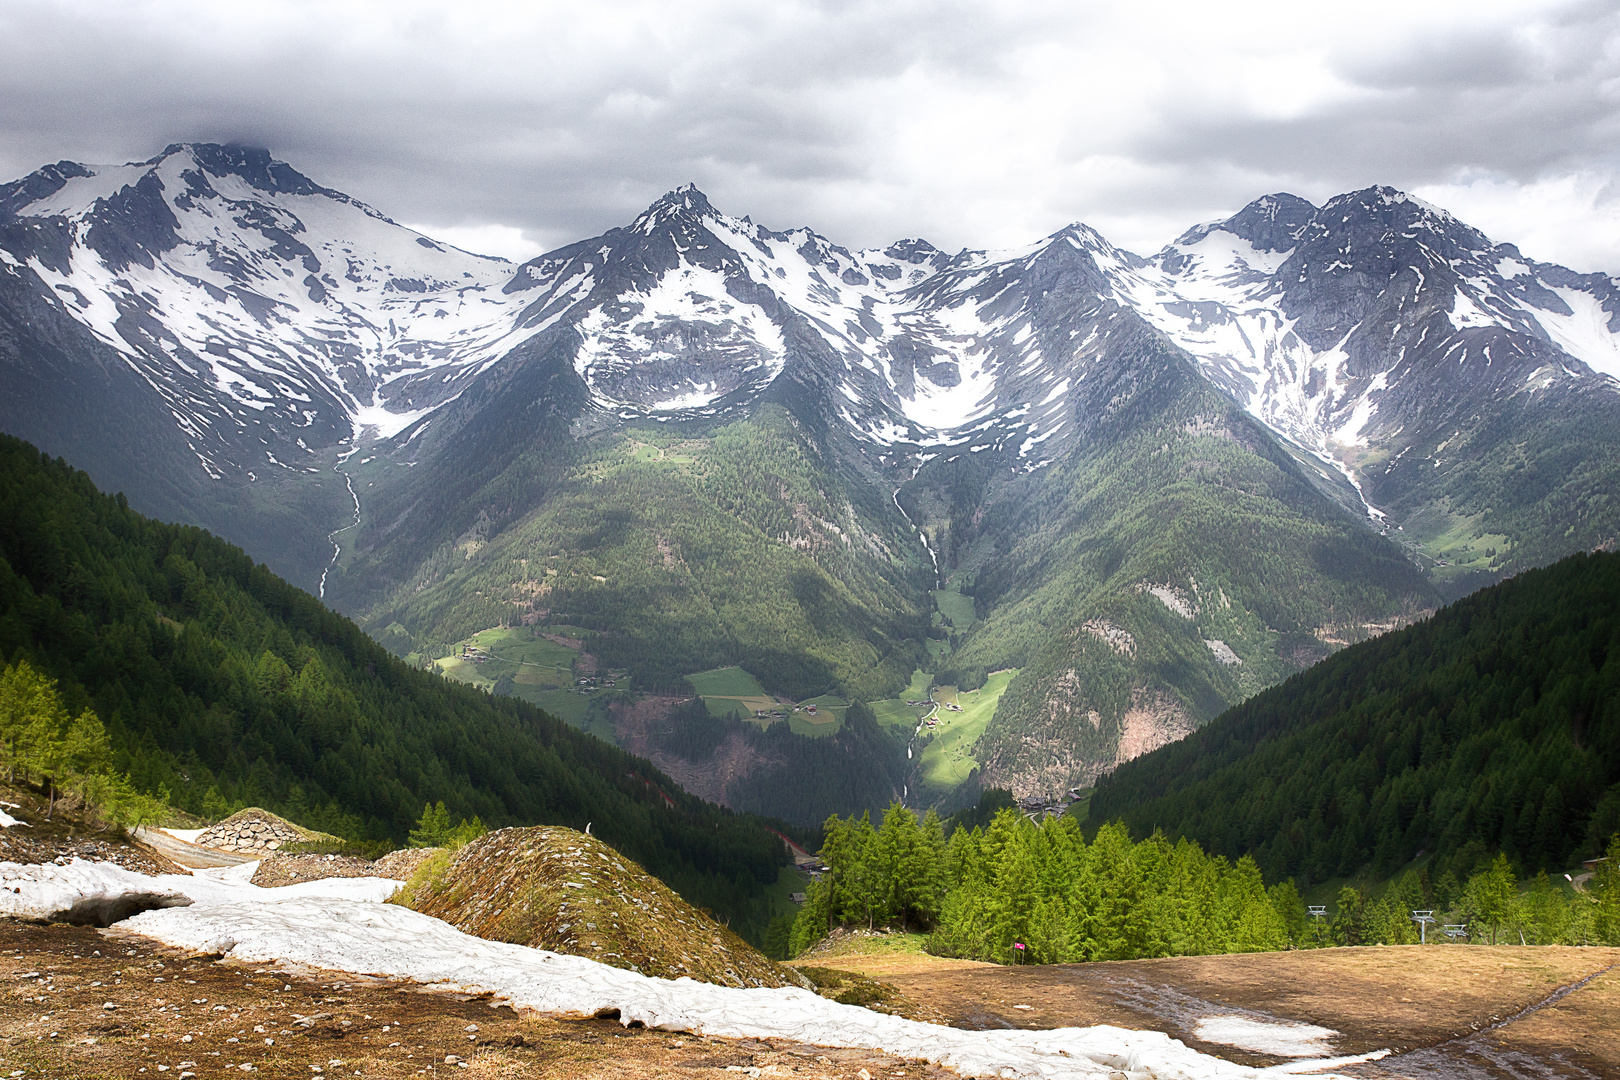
[(401, 864), (290, 869)]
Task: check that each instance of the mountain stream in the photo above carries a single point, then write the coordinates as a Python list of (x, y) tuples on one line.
[(939, 582), (332, 536)]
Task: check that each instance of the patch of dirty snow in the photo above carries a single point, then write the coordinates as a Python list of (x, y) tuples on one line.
[(338, 924), (1280, 1038)]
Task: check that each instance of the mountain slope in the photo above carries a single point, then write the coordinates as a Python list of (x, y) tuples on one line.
[(707, 442), (1493, 725), (1170, 565), (224, 685), (1469, 394)]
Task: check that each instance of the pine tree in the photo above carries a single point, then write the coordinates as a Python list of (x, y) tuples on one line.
[(1605, 888), (1491, 894)]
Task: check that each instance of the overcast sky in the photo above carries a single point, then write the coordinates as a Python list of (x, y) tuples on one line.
[(513, 128)]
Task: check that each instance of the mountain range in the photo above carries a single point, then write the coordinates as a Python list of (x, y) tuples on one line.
[(1145, 488)]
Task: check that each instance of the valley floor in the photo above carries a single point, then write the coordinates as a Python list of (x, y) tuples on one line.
[(1458, 1012)]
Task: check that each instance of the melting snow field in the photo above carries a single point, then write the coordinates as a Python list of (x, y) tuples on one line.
[(341, 924), (1263, 1037)]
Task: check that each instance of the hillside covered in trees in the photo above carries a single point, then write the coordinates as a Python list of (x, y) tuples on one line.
[(1493, 726), (219, 685)]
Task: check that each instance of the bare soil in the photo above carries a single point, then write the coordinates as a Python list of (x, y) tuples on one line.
[(635, 722), (1451, 1011), (177, 1016)]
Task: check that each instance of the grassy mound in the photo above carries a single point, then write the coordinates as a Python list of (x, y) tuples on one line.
[(557, 889)]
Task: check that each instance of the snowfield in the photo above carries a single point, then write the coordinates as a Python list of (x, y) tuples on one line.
[(341, 924)]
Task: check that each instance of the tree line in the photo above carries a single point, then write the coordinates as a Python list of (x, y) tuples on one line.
[(1017, 892)]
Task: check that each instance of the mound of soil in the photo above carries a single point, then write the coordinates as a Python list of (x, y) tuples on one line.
[(401, 864), (290, 869), (554, 888), (255, 830), (69, 834)]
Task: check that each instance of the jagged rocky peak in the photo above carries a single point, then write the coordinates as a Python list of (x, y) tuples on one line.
[(1383, 230), (686, 199), (38, 185), (251, 163), (1271, 222), (914, 251)]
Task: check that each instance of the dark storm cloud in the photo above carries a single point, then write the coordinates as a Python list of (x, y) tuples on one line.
[(970, 123)]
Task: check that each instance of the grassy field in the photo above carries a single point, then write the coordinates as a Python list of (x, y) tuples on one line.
[(894, 712), (830, 710), (726, 682), (947, 760), (1455, 545), (730, 690), (531, 660), (957, 609), (542, 673)]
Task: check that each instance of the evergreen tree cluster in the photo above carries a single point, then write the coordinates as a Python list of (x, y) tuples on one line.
[(1018, 892), (892, 875), (1493, 726), (41, 743), (1492, 907), (222, 686)]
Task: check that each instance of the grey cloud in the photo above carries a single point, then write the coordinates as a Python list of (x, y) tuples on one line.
[(784, 112), (1495, 102)]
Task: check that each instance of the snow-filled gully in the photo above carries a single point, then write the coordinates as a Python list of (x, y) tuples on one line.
[(341, 924)]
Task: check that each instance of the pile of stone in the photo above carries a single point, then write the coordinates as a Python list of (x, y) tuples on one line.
[(251, 830)]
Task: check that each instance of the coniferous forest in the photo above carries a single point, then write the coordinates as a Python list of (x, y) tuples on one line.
[(1492, 727), (1018, 892), (218, 685)]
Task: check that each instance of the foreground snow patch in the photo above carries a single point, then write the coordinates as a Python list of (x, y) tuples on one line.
[(339, 924), (29, 891)]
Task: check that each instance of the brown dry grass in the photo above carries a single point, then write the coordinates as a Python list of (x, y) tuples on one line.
[(1435, 1006)]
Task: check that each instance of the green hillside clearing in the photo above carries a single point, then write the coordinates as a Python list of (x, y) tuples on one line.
[(948, 758)]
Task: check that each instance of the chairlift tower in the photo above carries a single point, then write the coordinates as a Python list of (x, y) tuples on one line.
[(1317, 912), (1455, 930), (1423, 919)]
